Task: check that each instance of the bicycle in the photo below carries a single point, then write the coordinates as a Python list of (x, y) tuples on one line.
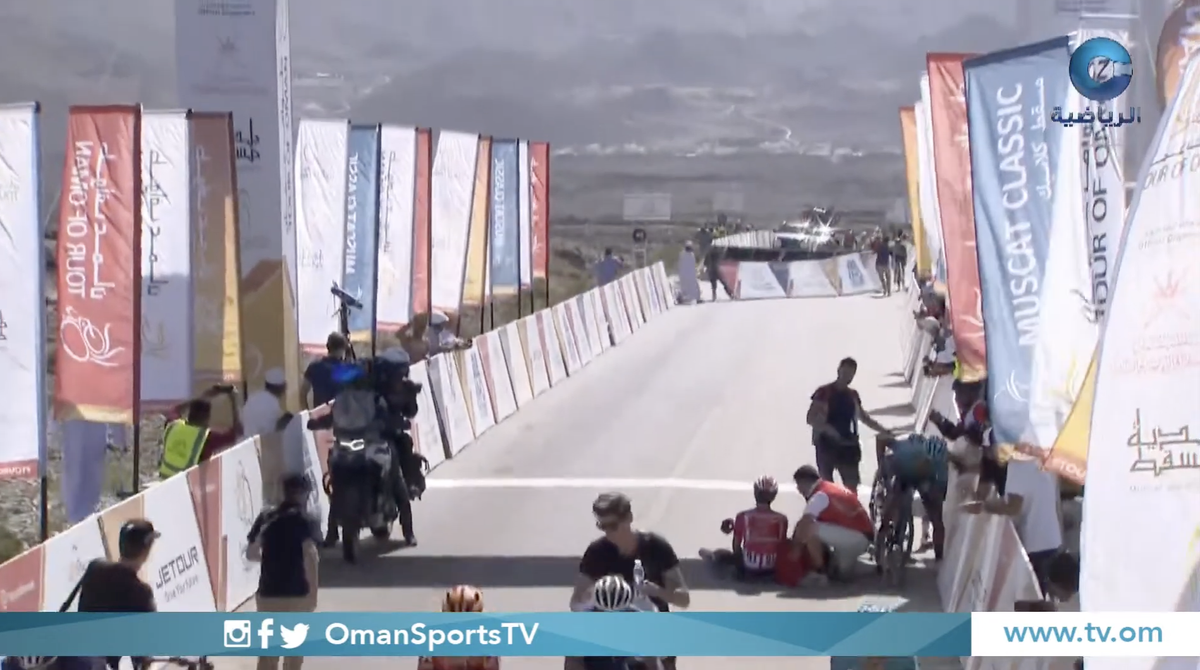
[(893, 537)]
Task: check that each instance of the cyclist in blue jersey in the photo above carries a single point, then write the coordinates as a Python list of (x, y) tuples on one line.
[(918, 463)]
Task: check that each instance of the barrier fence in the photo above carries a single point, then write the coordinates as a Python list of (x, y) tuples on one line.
[(985, 567), (205, 513), (819, 278)]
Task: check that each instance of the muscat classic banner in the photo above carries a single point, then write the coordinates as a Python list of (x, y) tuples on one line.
[(1013, 161), (362, 199), (99, 278)]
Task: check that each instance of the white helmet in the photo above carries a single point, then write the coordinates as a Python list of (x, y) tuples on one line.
[(612, 594)]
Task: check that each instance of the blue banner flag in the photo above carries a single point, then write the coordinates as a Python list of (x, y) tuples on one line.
[(466, 634), (1014, 157), (362, 216), (504, 246)]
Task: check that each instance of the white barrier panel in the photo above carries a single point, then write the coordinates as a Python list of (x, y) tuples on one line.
[(581, 330), (614, 313), (535, 357), (551, 348), (500, 387), (632, 307), (757, 281), (475, 391), (810, 279), (590, 330), (566, 339), (594, 303), (452, 406), (427, 430), (855, 278), (241, 503), (314, 468), (518, 365), (664, 287)]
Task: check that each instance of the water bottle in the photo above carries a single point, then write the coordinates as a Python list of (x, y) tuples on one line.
[(639, 575)]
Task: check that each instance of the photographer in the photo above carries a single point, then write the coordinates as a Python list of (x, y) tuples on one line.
[(189, 438), (398, 406)]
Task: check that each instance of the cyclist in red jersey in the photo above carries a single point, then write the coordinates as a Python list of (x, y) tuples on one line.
[(757, 533), (461, 598)]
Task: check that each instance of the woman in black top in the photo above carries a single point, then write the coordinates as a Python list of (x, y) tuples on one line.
[(617, 552)]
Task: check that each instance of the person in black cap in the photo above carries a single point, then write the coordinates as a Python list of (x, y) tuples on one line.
[(285, 539), (115, 586)]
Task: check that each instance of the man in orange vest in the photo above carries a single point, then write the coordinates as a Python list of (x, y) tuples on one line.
[(833, 532)]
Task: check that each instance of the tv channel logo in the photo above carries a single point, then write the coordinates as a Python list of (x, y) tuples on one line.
[(1101, 69)]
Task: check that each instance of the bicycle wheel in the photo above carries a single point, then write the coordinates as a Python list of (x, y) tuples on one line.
[(900, 546)]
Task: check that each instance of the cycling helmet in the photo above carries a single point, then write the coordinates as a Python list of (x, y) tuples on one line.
[(765, 489), (612, 594), (463, 598)]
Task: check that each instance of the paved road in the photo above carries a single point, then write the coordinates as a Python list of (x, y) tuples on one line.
[(683, 416)]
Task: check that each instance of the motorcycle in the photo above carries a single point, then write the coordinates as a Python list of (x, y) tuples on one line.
[(361, 479)]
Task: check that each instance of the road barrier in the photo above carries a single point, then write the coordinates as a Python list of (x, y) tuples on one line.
[(205, 513), (828, 277), (985, 567)]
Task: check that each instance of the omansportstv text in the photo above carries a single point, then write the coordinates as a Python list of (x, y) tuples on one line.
[(237, 635)]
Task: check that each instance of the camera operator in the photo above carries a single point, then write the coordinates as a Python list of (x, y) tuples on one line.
[(397, 396)]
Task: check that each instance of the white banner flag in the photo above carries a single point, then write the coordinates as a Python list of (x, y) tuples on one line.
[(397, 190), (1142, 509), (321, 154), (1104, 185), (22, 287), (167, 342), (236, 57), (1067, 331), (525, 214), (452, 190), (931, 213)]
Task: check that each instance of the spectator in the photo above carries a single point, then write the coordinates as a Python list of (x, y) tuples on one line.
[(438, 336), (319, 376), (834, 414), (285, 540), (712, 267), (114, 586), (608, 268), (1062, 577), (1031, 498), (189, 437), (264, 408)]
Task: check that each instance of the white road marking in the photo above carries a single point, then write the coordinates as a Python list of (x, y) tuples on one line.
[(609, 484)]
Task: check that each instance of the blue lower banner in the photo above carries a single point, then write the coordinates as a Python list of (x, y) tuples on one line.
[(453, 634)]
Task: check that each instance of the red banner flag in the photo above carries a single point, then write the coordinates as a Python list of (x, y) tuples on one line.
[(952, 155), (539, 186), (99, 274)]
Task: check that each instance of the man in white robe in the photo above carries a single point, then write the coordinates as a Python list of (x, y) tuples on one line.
[(689, 283)]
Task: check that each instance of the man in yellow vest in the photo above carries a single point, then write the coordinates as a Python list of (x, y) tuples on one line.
[(189, 439)]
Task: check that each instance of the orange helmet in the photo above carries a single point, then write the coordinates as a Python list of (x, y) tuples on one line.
[(463, 598)]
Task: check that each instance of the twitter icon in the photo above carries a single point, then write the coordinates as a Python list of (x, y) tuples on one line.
[(293, 637)]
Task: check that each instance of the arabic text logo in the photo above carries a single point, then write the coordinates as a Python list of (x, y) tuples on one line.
[(1101, 69)]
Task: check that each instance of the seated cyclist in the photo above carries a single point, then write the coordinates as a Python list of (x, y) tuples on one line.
[(757, 534), (461, 598), (916, 463)]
